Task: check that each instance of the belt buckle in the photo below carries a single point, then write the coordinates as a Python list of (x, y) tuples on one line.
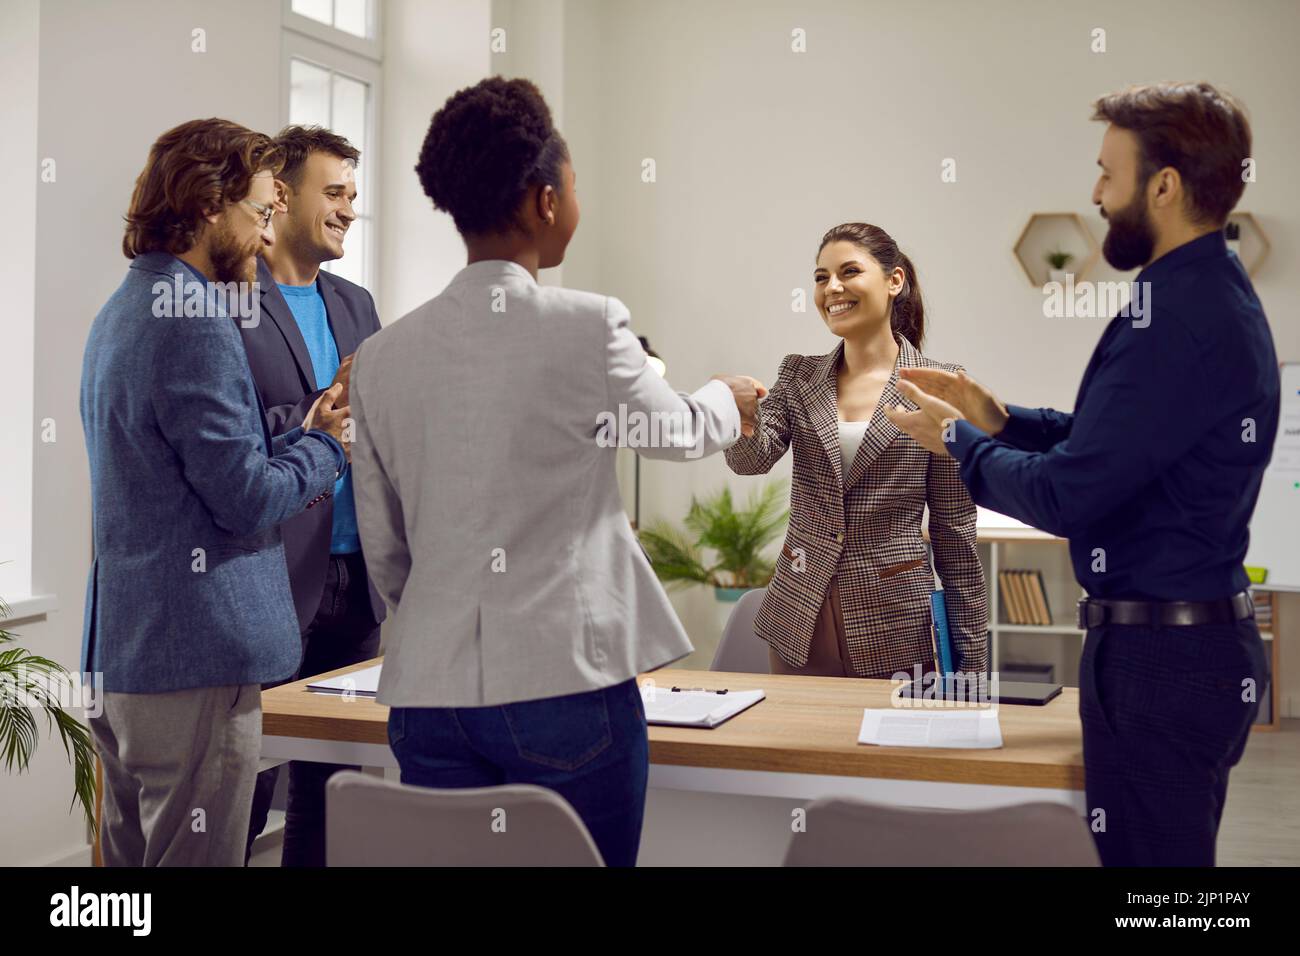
[(1081, 614)]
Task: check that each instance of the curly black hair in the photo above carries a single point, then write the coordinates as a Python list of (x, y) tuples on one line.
[(485, 148)]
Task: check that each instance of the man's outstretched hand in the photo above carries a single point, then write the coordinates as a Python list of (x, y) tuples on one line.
[(932, 422), (973, 401)]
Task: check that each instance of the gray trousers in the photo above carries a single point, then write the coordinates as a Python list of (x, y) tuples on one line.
[(179, 769)]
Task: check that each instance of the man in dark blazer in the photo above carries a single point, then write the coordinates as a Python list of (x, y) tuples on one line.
[(311, 322)]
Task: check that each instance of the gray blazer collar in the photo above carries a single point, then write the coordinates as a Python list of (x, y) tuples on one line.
[(485, 270)]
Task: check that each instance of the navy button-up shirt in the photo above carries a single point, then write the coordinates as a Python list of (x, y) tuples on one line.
[(1154, 476)]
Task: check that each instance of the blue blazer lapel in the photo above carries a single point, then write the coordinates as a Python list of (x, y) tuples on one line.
[(274, 305)]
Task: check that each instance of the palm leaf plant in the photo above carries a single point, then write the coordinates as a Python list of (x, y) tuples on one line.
[(736, 539), (29, 682)]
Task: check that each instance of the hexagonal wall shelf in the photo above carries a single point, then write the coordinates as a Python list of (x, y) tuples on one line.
[(1051, 231), (1251, 244)]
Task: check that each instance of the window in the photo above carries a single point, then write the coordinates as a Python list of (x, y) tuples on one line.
[(334, 82), (350, 16)]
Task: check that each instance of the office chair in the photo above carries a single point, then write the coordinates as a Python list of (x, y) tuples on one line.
[(843, 831), (741, 650), (374, 822)]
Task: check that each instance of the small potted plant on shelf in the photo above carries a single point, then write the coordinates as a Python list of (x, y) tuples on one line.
[(28, 688), (737, 539), (1058, 260)]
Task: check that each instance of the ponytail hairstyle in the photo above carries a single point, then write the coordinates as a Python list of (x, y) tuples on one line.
[(907, 312)]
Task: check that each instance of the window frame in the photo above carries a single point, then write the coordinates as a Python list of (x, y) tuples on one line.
[(339, 55), (370, 47)]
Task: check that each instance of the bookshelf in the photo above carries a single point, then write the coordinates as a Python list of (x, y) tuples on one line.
[(1267, 615), (1005, 544)]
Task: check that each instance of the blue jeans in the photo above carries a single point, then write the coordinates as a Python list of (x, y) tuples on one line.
[(591, 748)]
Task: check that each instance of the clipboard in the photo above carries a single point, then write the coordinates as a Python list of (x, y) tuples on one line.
[(695, 707)]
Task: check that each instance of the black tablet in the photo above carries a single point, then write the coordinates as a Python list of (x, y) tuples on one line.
[(1034, 693)]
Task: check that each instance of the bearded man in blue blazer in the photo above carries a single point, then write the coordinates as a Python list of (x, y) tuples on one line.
[(188, 606)]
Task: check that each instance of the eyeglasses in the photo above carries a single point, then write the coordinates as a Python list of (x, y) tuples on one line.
[(266, 211)]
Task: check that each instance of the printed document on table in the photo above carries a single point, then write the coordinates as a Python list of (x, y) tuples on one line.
[(927, 727)]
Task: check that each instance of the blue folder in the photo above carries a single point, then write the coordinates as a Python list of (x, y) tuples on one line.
[(942, 635)]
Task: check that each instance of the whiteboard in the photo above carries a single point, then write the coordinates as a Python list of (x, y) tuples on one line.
[(1275, 528)]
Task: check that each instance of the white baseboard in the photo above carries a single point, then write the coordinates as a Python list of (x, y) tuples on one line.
[(83, 856)]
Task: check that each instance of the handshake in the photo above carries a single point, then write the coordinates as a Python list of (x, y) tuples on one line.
[(746, 391), (331, 412)]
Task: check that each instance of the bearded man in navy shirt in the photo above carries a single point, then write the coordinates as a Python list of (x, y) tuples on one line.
[(1153, 478)]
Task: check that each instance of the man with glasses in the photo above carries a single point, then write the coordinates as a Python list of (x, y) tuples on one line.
[(188, 606), (311, 322)]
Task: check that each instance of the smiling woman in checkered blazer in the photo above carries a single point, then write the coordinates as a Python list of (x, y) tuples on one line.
[(851, 592)]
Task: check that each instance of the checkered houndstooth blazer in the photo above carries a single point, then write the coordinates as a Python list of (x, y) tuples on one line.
[(864, 528)]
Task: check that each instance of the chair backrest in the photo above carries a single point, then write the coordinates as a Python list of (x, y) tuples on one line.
[(741, 650), (842, 831), (370, 821)]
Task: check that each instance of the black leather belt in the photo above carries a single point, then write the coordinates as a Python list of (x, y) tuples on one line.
[(1094, 612)]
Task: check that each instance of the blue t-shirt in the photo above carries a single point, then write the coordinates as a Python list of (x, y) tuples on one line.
[(308, 310)]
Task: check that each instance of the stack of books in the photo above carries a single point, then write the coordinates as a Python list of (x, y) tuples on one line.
[(1024, 597), (1263, 610)]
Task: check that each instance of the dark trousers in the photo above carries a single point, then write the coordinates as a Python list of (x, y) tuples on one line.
[(1166, 715), (590, 747), (342, 633)]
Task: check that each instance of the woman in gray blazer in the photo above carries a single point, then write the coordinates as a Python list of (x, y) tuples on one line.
[(521, 607)]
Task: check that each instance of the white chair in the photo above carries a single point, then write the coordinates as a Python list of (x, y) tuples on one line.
[(374, 822), (741, 650), (847, 832)]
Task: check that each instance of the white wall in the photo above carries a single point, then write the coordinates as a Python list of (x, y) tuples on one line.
[(760, 150), (19, 57), (431, 50), (107, 88)]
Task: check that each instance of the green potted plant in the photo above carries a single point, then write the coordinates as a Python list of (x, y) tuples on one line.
[(1058, 260), (29, 683), (736, 538)]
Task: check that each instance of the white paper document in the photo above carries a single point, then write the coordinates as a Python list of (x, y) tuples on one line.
[(692, 708), (927, 727), (362, 683)]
